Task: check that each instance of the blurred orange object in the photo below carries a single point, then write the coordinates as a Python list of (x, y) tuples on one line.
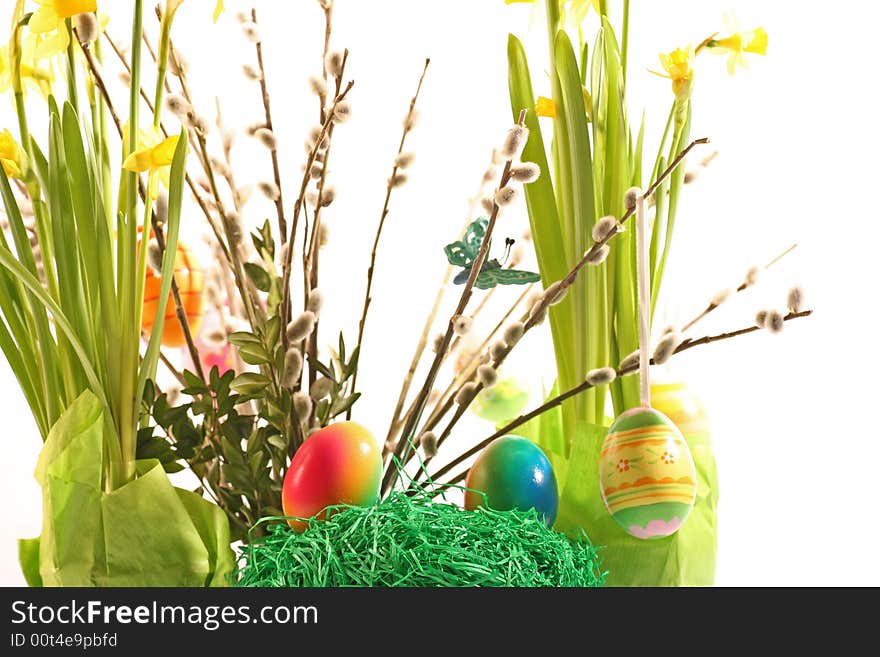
[(191, 283)]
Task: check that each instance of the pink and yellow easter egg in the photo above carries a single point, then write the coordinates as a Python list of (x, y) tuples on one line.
[(646, 474), (339, 464)]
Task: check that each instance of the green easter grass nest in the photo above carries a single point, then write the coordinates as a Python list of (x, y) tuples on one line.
[(411, 540)]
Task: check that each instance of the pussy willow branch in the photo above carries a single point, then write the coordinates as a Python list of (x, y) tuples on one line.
[(407, 128), (396, 421), (310, 261), (403, 442), (536, 315), (158, 232), (742, 286), (264, 90), (581, 387), (297, 207)]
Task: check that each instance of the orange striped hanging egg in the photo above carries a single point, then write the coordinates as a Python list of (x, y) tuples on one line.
[(646, 474), (191, 282)]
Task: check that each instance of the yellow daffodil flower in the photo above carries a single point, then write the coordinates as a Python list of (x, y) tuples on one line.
[(31, 71), (152, 157), (739, 43), (153, 154), (545, 107), (679, 67), (10, 154), (48, 23)]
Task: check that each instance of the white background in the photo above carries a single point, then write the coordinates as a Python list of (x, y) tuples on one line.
[(796, 447)]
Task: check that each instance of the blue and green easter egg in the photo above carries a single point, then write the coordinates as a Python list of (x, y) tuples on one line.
[(503, 401), (513, 473), (646, 474)]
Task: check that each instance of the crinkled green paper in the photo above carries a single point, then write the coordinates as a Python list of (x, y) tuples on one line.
[(686, 558), (146, 533)]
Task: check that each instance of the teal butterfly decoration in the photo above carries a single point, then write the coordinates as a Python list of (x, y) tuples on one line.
[(462, 253)]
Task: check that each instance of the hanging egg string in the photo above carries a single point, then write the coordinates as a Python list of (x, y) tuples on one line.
[(646, 471)]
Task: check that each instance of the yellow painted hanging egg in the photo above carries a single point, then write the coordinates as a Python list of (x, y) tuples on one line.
[(646, 474)]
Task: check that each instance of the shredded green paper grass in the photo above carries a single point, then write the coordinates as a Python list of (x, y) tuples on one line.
[(417, 542)]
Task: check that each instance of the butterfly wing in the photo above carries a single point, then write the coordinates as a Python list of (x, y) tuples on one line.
[(463, 252), (513, 276)]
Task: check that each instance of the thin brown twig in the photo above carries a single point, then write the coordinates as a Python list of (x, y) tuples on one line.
[(396, 421), (264, 91), (581, 387), (407, 128), (403, 443), (742, 286)]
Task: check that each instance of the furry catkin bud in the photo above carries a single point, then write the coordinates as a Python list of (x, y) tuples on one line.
[(315, 134), (487, 375), (489, 175), (315, 301), (398, 179), (496, 351), (603, 227), (632, 360), (162, 207), (125, 78), (328, 195), (318, 86), (761, 318), (428, 443), (251, 72), (438, 340), (269, 190), (342, 111), (252, 128), (720, 297), (154, 257), (488, 204), (199, 123), (178, 64), (555, 293), (461, 324), (403, 160), (602, 376), (505, 196), (312, 199), (465, 393), (666, 346), (631, 197), (316, 171), (411, 119), (597, 256), (323, 234), (293, 362), (795, 300), (87, 29), (752, 276), (333, 63), (774, 322), (538, 311), (321, 388), (514, 142), (301, 327), (513, 333), (525, 172), (251, 31), (177, 105), (302, 405)]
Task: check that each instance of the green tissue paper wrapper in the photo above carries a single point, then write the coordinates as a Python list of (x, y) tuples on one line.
[(145, 533), (687, 558)]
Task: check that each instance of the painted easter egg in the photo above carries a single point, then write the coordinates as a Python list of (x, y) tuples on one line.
[(646, 474), (513, 473), (190, 281), (503, 401), (339, 464)]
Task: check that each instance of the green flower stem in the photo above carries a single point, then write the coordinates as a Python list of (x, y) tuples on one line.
[(71, 65)]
